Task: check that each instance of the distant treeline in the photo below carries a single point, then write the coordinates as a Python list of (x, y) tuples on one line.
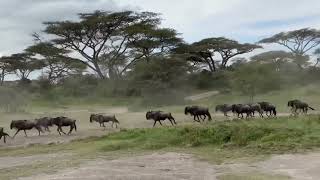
[(130, 54)]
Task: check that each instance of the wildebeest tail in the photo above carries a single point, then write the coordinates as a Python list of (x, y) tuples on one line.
[(311, 108)]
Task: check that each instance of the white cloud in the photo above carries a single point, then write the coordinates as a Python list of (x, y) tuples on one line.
[(243, 20)]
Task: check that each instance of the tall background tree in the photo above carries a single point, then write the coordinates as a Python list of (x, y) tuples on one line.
[(56, 62), (22, 64), (299, 42), (106, 37), (204, 51)]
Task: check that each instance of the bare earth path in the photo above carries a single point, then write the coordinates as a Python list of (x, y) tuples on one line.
[(176, 166), (201, 96)]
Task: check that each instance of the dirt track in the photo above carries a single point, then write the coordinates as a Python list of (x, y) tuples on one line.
[(172, 166)]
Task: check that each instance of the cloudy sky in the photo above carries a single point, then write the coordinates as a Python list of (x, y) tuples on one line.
[(243, 20)]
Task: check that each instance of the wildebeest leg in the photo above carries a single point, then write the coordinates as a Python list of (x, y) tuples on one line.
[(171, 122), (71, 128), (261, 114), (16, 133), (160, 123), (204, 118), (4, 139), (194, 118), (62, 130), (154, 123), (58, 129), (174, 121), (112, 124), (25, 133)]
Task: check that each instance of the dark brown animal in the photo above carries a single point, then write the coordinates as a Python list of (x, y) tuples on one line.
[(256, 107), (101, 119), (299, 105), (159, 116), (3, 134), (224, 108), (24, 125), (197, 111), (44, 122), (63, 122), (241, 109), (268, 108)]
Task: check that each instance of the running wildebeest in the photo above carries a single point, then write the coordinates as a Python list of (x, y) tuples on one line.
[(268, 108), (3, 134), (44, 122), (197, 111), (256, 108), (24, 125), (101, 119), (299, 105), (240, 109), (224, 108), (64, 121), (159, 116)]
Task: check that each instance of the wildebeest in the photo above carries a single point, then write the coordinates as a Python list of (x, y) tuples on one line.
[(224, 108), (240, 109), (268, 108), (159, 116), (101, 119), (24, 125), (256, 108), (3, 134), (64, 121), (44, 122), (299, 105), (197, 111)]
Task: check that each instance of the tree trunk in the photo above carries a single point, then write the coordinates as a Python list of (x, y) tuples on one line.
[(2, 78), (98, 70), (213, 65)]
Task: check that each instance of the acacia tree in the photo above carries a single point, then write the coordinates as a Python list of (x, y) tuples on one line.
[(22, 64), (276, 58), (205, 50), (5, 69), (104, 36), (145, 41), (56, 63), (299, 42)]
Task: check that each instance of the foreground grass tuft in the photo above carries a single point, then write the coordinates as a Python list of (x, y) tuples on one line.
[(261, 136)]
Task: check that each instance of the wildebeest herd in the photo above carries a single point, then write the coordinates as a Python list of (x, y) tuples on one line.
[(199, 114)]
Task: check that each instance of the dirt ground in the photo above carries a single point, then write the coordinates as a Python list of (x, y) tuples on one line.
[(175, 166)]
